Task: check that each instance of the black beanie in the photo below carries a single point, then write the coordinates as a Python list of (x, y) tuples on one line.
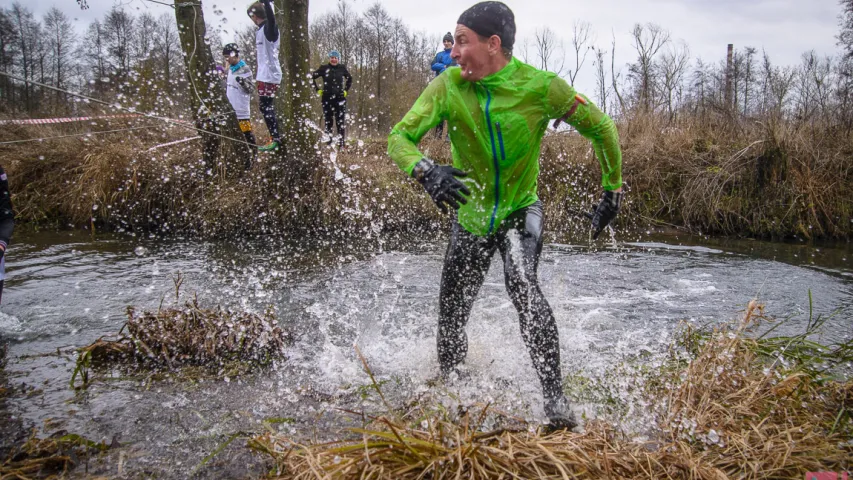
[(231, 48), (448, 37), (491, 18)]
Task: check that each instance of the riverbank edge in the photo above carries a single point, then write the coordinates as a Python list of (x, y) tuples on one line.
[(760, 181)]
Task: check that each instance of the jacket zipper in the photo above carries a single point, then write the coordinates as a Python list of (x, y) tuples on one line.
[(494, 160), (501, 141)]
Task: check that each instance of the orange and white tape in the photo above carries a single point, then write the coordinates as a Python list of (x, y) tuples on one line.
[(45, 121)]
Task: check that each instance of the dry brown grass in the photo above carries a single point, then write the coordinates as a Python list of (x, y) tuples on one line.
[(52, 457), (192, 335), (729, 413), (770, 179), (221, 340), (766, 179)]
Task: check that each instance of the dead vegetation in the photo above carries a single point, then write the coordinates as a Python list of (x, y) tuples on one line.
[(771, 180), (221, 341), (730, 412), (52, 457)]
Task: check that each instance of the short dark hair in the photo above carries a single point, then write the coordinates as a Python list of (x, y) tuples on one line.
[(257, 9)]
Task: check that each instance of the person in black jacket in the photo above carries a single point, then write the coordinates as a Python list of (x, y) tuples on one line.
[(336, 83), (7, 224)]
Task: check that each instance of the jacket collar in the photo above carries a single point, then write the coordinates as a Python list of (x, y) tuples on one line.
[(501, 75)]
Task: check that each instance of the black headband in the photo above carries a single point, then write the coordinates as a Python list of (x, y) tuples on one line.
[(491, 18)]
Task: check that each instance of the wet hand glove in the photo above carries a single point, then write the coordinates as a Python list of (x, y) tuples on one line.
[(605, 212), (345, 94), (320, 92), (441, 184)]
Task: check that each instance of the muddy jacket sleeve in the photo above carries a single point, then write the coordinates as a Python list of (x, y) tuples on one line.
[(429, 109), (270, 28), (7, 215), (564, 102)]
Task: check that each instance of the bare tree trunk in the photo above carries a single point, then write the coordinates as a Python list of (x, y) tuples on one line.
[(283, 103), (648, 40), (211, 110), (581, 36), (601, 79), (728, 93), (613, 77), (22, 19), (293, 104)]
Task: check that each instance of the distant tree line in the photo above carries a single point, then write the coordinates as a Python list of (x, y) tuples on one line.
[(121, 57), (137, 60)]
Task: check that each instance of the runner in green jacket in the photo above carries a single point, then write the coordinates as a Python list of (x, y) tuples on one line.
[(497, 109)]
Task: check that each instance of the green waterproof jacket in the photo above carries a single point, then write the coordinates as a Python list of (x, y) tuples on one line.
[(496, 127)]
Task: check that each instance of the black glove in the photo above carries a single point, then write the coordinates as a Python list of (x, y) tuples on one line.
[(605, 212), (441, 184)]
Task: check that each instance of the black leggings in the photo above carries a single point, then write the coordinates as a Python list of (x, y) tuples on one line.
[(250, 139), (335, 109), (267, 105), (519, 240)]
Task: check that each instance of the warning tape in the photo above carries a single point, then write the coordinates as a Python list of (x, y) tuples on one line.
[(85, 134), (46, 121), (172, 143), (181, 123)]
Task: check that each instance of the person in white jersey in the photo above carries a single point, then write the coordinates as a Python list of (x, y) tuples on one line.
[(239, 87), (268, 77)]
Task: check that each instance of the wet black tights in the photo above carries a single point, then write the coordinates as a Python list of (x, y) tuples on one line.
[(267, 105), (335, 109), (519, 239)]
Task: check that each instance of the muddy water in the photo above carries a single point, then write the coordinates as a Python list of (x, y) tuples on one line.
[(614, 303)]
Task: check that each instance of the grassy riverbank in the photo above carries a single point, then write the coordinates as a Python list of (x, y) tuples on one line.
[(726, 405), (758, 180)]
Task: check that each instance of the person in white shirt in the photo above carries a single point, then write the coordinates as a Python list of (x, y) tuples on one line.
[(239, 87), (269, 75)]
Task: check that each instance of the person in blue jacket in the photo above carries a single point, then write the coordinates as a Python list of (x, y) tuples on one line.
[(439, 64), (442, 58)]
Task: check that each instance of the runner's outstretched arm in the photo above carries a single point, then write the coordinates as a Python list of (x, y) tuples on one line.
[(270, 27)]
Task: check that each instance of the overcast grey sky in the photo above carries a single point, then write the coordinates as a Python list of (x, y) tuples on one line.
[(784, 28)]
